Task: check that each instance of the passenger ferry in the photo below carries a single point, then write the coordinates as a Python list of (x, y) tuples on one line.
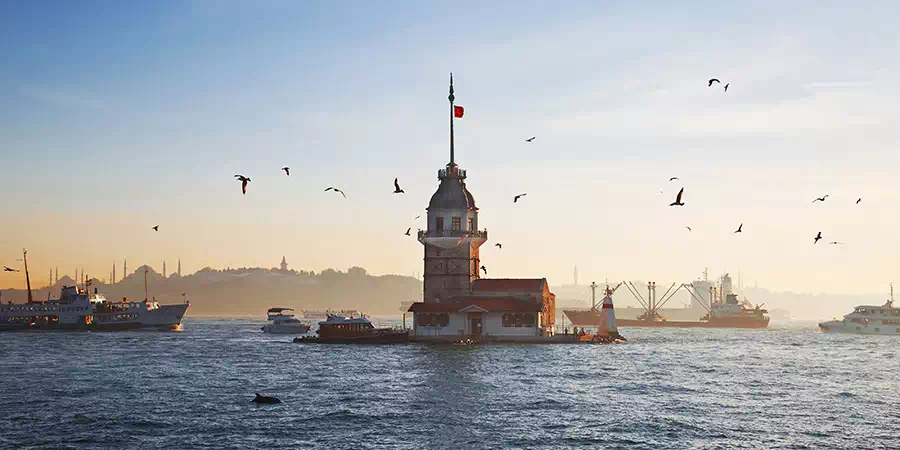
[(76, 309), (284, 322), (865, 319)]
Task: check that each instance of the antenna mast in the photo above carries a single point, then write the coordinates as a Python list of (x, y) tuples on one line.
[(451, 97)]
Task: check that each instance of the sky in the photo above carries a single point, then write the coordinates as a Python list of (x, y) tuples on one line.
[(117, 116)]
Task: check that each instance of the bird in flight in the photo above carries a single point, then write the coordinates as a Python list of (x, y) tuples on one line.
[(677, 201), (836, 243), (417, 217), (331, 188), (726, 86), (484, 269), (287, 170), (9, 269), (156, 228), (820, 199), (397, 189), (858, 200), (461, 239), (516, 198), (529, 139), (244, 180), (713, 80), (408, 230), (499, 245), (689, 229), (816, 239), (740, 229), (673, 178)]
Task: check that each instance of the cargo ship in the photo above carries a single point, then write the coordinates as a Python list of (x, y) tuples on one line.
[(723, 309)]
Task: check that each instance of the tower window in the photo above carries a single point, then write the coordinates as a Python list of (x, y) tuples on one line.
[(471, 224), (439, 223), (456, 223)]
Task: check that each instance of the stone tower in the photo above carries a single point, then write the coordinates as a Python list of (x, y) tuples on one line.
[(284, 266), (452, 238)]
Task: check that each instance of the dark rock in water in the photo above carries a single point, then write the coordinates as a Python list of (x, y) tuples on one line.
[(265, 399)]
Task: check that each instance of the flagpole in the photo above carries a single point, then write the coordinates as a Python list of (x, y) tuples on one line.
[(451, 97)]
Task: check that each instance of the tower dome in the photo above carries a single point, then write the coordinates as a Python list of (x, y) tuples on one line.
[(452, 192)]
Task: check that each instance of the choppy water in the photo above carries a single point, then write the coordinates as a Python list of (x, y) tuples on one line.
[(786, 387)]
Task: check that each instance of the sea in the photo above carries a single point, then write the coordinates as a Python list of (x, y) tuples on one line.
[(786, 387)]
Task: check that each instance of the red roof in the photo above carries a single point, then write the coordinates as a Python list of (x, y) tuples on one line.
[(509, 284), (489, 304)]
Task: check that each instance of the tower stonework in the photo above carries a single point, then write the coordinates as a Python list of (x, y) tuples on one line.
[(452, 239)]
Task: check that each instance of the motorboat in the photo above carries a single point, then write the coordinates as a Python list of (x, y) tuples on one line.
[(282, 321)]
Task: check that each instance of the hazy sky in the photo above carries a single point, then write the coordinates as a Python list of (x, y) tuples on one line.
[(117, 116)]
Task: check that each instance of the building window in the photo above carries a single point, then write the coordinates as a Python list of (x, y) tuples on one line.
[(519, 320), (456, 223), (432, 319), (439, 223), (471, 224)]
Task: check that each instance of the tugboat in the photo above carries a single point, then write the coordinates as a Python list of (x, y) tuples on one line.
[(343, 329), (865, 319), (284, 322)]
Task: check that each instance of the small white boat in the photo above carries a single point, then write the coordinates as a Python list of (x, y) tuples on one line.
[(866, 319), (283, 322)]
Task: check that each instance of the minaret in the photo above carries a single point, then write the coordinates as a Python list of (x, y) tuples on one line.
[(125, 269), (164, 269), (56, 278), (452, 239), (114, 273), (179, 267)]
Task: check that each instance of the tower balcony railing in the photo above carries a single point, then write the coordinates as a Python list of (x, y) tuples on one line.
[(461, 173), (477, 234)]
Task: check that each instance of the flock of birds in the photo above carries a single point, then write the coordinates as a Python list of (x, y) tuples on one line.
[(679, 202)]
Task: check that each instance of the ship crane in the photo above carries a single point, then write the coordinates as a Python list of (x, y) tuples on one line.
[(651, 305)]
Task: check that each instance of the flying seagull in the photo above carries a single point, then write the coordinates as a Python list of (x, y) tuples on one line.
[(858, 200), (726, 86), (417, 217), (713, 80), (673, 178), (836, 243), (818, 236), (156, 228), (739, 230), (484, 269), (244, 180), (499, 245), (397, 189), (408, 230), (529, 139), (820, 199), (9, 269), (677, 201), (287, 170), (331, 188), (516, 198), (689, 229)]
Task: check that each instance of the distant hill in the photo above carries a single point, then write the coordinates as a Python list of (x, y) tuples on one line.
[(250, 291)]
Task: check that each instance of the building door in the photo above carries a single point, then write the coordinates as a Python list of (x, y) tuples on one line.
[(476, 326)]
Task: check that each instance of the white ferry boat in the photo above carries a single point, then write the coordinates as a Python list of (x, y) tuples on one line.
[(76, 309), (284, 322), (866, 319)]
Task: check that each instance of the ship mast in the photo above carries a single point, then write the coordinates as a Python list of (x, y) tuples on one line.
[(145, 284), (27, 279)]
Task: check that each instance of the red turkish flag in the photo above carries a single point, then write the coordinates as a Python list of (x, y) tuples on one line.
[(458, 111)]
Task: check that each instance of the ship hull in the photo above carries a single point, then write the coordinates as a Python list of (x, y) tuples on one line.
[(855, 328), (592, 319), (382, 338), (163, 318)]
